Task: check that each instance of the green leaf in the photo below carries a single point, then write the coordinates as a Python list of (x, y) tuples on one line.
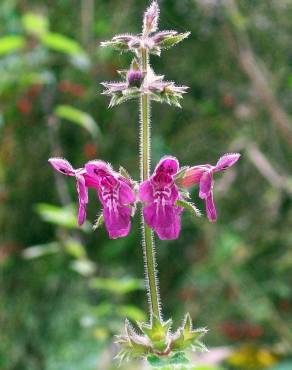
[(35, 24), (173, 40), (61, 216), (189, 206), (78, 117), (9, 44), (61, 43), (84, 267), (40, 250), (131, 312), (178, 358), (75, 248), (117, 286)]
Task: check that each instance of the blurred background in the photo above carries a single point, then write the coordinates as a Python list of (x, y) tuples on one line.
[(66, 291)]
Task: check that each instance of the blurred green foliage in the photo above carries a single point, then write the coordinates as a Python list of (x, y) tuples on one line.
[(66, 291)]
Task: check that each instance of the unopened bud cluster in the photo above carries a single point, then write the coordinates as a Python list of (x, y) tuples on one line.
[(138, 81)]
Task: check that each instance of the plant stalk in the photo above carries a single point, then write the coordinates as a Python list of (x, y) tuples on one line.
[(148, 242)]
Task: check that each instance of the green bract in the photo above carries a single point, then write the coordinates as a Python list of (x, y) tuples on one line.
[(156, 341)]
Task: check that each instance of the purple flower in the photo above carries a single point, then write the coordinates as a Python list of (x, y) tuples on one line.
[(128, 89), (116, 196), (203, 174), (160, 194), (135, 78), (83, 182)]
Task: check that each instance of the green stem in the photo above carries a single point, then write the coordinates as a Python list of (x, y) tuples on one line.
[(148, 243)]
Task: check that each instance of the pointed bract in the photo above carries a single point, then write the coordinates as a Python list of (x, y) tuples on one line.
[(188, 338)]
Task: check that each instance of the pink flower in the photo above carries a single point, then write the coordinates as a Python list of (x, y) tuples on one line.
[(83, 182), (160, 194), (203, 174), (116, 196)]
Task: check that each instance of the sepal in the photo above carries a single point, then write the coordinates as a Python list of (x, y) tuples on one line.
[(189, 207), (167, 39), (99, 222), (122, 97), (157, 331), (188, 338), (181, 173), (123, 43), (168, 93), (133, 345), (123, 172), (163, 91)]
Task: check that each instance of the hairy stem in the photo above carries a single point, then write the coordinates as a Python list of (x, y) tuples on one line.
[(148, 243)]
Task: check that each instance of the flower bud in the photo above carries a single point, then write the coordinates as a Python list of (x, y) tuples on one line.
[(135, 78), (151, 17)]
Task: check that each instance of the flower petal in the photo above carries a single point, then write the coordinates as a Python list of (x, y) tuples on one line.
[(146, 191), (62, 165), (164, 220), (206, 183), (172, 230), (81, 214), (226, 161), (168, 165), (149, 213), (83, 198), (98, 168), (117, 220), (210, 208), (82, 189), (126, 194)]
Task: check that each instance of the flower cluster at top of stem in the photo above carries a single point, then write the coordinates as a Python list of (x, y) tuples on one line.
[(136, 81)]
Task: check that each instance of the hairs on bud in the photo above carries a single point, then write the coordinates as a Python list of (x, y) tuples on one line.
[(151, 18)]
